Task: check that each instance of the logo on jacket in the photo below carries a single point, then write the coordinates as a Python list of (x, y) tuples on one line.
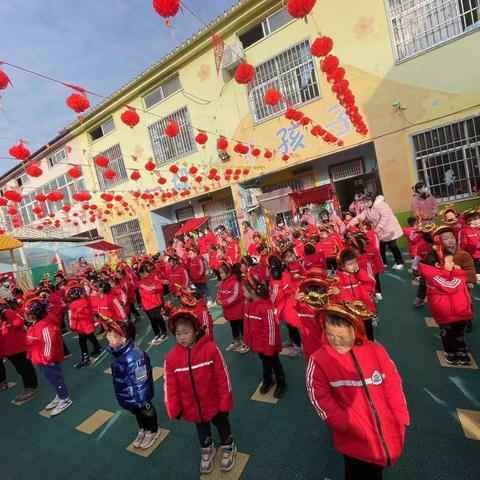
[(377, 378)]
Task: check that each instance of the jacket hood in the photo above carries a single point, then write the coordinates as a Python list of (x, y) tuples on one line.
[(378, 200)]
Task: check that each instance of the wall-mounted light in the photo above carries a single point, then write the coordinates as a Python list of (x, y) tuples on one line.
[(224, 156)]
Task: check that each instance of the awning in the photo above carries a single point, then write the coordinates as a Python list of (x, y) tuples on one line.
[(9, 243), (312, 195), (190, 225), (103, 246)]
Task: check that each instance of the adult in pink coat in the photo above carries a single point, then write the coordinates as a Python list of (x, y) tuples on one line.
[(248, 234), (423, 203), (385, 224)]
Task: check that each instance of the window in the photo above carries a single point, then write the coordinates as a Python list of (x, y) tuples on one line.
[(116, 164), (293, 73), (347, 170), (299, 183), (57, 157), (162, 92), (21, 180), (418, 25), (448, 159), (165, 148), (184, 214), (128, 235), (103, 129), (6, 220), (265, 28)]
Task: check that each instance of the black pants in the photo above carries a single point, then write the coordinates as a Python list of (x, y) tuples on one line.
[(217, 274), (24, 368), (332, 263), (477, 264), (134, 311), (271, 364), (221, 422), (358, 470), (237, 328), (393, 247), (378, 285), (82, 341), (369, 329), (294, 335), (453, 337), (156, 321), (147, 418), (422, 289)]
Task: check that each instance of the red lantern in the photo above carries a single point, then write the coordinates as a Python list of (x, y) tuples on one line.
[(37, 210), (222, 143), (162, 181), (41, 197), (244, 73), (130, 117), (213, 171), (136, 194), (4, 80), (336, 76), (118, 198), (317, 131), (329, 64), (74, 172), (246, 171), (183, 179), (102, 161), (13, 196), (285, 157), (241, 148), (272, 97), (2, 231), (19, 151), (268, 154), (150, 165), (55, 196), (110, 174), (3, 202), (321, 46), (172, 129), (66, 208), (12, 211), (135, 175), (199, 179), (256, 152), (340, 143), (292, 114), (108, 197), (78, 102), (33, 171), (206, 188), (192, 170), (217, 178), (201, 138), (173, 169), (166, 8), (39, 227), (305, 121), (300, 8)]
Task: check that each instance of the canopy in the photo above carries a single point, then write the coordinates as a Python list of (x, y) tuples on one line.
[(103, 246), (312, 195), (9, 243), (190, 225)]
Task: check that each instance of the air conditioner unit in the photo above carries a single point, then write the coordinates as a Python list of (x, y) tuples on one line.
[(232, 56)]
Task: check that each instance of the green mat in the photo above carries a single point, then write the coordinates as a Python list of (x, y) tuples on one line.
[(284, 441)]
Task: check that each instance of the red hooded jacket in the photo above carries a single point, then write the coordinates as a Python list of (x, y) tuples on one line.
[(414, 237), (44, 343), (196, 381), (198, 270), (203, 314), (359, 396), (232, 252), (470, 240), (178, 276), (373, 251), (261, 330), (151, 292), (310, 326), (128, 287), (13, 336), (356, 286), (57, 307), (280, 291), (81, 316), (109, 305), (447, 294), (232, 300), (316, 260)]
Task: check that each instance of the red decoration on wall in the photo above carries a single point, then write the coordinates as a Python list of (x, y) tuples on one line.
[(172, 129), (4, 80), (317, 131), (183, 179), (222, 143), (293, 114), (300, 8), (321, 46), (110, 174), (13, 196), (166, 8), (130, 117), (256, 152), (329, 64), (218, 51), (108, 197), (199, 179), (336, 76), (3, 202), (150, 165), (78, 102), (201, 138), (272, 97), (285, 157), (244, 73), (173, 169), (102, 161), (268, 154), (162, 180), (66, 208), (55, 196), (74, 172), (135, 175), (241, 148), (33, 170), (12, 211), (192, 170), (19, 151), (305, 121)]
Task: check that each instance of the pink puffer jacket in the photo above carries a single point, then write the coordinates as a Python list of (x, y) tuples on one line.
[(427, 207)]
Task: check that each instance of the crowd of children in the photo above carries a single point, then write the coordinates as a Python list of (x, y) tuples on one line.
[(321, 280)]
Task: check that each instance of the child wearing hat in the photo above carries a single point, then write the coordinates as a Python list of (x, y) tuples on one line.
[(198, 388)]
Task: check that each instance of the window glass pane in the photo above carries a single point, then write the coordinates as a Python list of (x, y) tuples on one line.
[(108, 126), (97, 133), (251, 36), (171, 87), (129, 236), (278, 20), (153, 98), (116, 164)]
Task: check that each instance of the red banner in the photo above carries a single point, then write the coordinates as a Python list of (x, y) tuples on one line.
[(218, 50)]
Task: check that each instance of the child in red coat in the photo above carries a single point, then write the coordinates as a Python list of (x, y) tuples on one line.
[(450, 303), (45, 349), (413, 235), (356, 390), (262, 335), (198, 388), (230, 298), (470, 237), (82, 321), (313, 258), (198, 274), (330, 244), (178, 275)]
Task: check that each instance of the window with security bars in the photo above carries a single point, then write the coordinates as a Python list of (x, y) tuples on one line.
[(296, 184), (448, 159), (293, 73), (166, 149), (128, 235), (114, 154), (346, 170), (418, 25)]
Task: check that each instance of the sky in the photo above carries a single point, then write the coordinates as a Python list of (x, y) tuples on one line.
[(97, 44)]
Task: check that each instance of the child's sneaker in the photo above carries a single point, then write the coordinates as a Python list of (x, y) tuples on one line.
[(3, 386), (156, 340), (53, 403), (27, 395), (61, 406), (463, 358), (84, 362), (295, 352), (280, 390), (149, 439), (229, 453), (162, 338), (233, 346), (418, 302), (375, 320), (265, 387), (287, 343), (244, 349), (138, 439), (398, 266), (379, 296), (451, 358), (206, 460)]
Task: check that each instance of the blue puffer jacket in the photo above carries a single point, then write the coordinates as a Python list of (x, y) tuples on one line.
[(132, 376)]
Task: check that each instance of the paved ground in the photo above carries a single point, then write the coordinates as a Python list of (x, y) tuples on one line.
[(283, 441)]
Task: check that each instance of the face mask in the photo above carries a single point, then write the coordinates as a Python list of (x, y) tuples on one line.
[(6, 284)]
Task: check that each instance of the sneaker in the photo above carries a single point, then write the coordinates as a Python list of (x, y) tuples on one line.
[(233, 346), (280, 390), (418, 302), (375, 320), (138, 439), (244, 349), (265, 387), (149, 439), (162, 338), (463, 358), (27, 395), (210, 303), (96, 353), (61, 406), (84, 362), (155, 341), (398, 266), (3, 386), (229, 453), (206, 460), (379, 296), (53, 403), (451, 358), (287, 343), (295, 352)]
